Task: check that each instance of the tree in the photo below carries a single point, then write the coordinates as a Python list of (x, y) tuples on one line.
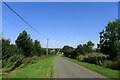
[(8, 49), (79, 50), (43, 51), (85, 48), (68, 51), (90, 46), (37, 48), (5, 48), (24, 42), (110, 39)]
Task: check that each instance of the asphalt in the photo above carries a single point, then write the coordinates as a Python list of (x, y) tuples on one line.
[(67, 69)]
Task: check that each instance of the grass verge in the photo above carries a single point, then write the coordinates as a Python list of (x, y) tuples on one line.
[(99, 69), (42, 69), (0, 74)]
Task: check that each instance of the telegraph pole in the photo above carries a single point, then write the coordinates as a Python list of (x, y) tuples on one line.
[(47, 46)]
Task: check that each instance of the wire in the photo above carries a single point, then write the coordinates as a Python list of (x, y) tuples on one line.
[(23, 19)]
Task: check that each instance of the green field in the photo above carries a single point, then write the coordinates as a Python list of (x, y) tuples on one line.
[(102, 70), (42, 69)]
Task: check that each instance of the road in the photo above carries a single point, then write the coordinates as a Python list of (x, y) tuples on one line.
[(67, 69)]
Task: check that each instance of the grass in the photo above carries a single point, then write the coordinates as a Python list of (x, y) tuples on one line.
[(99, 69), (42, 69), (0, 74)]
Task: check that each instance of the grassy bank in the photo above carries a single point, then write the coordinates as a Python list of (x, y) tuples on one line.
[(102, 70), (0, 74), (44, 68)]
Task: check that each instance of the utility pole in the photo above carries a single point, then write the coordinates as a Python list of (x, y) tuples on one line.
[(47, 46)]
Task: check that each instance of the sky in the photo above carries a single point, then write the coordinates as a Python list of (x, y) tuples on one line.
[(64, 23)]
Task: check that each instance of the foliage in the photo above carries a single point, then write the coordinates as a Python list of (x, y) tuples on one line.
[(81, 49), (67, 50), (94, 58), (85, 48), (43, 51), (90, 46), (0, 50), (24, 42), (100, 59), (110, 39), (34, 59), (12, 63), (97, 50), (5, 48), (99, 69), (107, 63), (111, 64), (8, 49), (81, 57), (36, 48), (44, 68), (18, 55)]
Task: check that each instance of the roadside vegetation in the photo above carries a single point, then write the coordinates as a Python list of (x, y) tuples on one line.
[(106, 55), (28, 55), (24, 52), (113, 74), (44, 68)]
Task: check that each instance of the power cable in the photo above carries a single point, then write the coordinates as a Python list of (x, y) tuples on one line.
[(24, 20), (26, 23)]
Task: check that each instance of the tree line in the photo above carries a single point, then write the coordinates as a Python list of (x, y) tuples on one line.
[(24, 51), (106, 54)]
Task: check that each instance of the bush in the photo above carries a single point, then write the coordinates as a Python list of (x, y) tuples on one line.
[(81, 57), (107, 63), (26, 61), (30, 60), (34, 59), (12, 63), (100, 59), (112, 64), (94, 58), (115, 65)]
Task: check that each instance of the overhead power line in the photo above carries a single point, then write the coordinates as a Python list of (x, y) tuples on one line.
[(26, 23), (23, 20)]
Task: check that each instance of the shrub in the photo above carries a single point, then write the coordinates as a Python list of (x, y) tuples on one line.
[(12, 63), (107, 63), (94, 58), (26, 60), (81, 57), (115, 65), (100, 59), (34, 59), (29, 60), (112, 64)]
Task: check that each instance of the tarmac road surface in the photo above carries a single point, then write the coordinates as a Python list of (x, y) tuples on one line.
[(67, 69)]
